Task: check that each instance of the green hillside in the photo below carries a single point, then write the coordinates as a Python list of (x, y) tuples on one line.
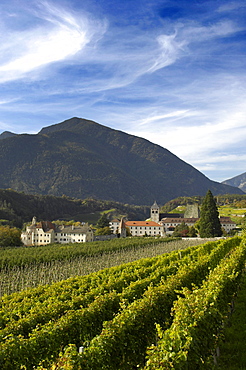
[(18, 208)]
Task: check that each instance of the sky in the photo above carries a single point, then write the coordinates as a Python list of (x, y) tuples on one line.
[(172, 72)]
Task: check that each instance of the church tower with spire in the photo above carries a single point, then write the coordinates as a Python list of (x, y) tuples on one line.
[(155, 212)]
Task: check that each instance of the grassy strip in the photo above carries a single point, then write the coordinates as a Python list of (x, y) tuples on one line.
[(233, 346)]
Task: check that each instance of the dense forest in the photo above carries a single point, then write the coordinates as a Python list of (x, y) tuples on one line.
[(18, 208)]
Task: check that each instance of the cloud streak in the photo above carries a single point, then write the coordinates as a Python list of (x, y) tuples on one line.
[(60, 36)]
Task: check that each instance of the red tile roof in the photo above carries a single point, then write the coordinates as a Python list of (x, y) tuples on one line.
[(179, 220), (141, 223)]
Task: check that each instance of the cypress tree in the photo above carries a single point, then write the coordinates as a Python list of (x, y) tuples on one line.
[(209, 221)]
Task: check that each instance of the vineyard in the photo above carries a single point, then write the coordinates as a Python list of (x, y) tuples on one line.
[(164, 312), (22, 268)]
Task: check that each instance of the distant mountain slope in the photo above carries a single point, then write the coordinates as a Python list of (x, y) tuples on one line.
[(6, 134), (237, 181), (82, 159)]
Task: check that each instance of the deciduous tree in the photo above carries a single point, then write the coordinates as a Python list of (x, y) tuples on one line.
[(103, 231), (181, 230), (10, 236)]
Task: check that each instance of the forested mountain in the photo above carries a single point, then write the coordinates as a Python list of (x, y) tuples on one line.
[(17, 208), (238, 181), (81, 159)]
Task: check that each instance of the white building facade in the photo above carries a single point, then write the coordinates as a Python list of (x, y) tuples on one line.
[(145, 228), (169, 224), (137, 228), (45, 232)]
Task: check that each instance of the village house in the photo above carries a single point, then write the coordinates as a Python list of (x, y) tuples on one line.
[(227, 224), (46, 232), (144, 228), (169, 223), (137, 228)]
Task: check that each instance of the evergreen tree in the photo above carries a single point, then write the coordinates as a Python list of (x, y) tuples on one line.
[(102, 222), (209, 221)]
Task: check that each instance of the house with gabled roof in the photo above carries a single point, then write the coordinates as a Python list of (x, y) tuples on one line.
[(169, 223), (46, 232), (145, 228)]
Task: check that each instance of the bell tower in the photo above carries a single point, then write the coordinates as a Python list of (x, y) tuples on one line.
[(155, 212)]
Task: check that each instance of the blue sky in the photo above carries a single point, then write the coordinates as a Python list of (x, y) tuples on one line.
[(172, 72)]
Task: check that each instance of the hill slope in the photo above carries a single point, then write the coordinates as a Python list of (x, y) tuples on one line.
[(238, 181), (18, 208), (6, 134), (81, 159)]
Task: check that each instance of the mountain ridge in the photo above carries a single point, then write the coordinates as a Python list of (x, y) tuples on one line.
[(238, 181), (6, 134), (81, 158)]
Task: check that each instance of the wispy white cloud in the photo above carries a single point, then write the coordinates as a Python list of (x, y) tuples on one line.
[(232, 5), (61, 35), (197, 32), (7, 127), (173, 115), (170, 50), (8, 101)]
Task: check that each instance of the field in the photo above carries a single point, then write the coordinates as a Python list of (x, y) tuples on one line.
[(162, 312), (236, 214)]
